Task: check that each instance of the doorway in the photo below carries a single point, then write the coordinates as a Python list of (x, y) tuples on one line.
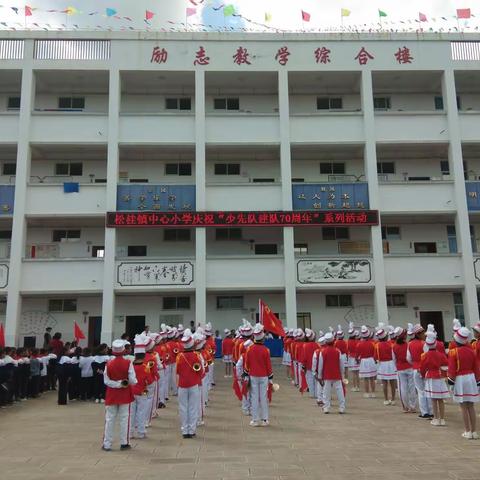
[(436, 319), (134, 324), (304, 320), (94, 331)]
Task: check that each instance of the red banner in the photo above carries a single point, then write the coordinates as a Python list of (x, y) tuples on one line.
[(239, 219)]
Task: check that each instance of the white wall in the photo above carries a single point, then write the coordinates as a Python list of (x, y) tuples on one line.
[(43, 168), (310, 169), (154, 171), (419, 233), (248, 103), (93, 102)]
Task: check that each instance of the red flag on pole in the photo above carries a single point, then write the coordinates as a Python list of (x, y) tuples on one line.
[(77, 332), (422, 17), (463, 13), (148, 15), (28, 11), (303, 381), (305, 16), (269, 320), (2, 335)]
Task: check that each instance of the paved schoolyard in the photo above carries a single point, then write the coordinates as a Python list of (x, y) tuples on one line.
[(40, 440)]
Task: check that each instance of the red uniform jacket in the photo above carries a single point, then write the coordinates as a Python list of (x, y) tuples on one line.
[(227, 346), (300, 353), (142, 374), (331, 363), (189, 369), (352, 347), (415, 347), (308, 351), (365, 349), (163, 353), (150, 363), (341, 344), (117, 370), (257, 361), (400, 352), (383, 351), (211, 346), (462, 361), (431, 363)]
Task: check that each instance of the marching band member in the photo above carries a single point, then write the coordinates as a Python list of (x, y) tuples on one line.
[(139, 414), (315, 357), (386, 371), (227, 350), (341, 344), (309, 348), (164, 356), (242, 384), (174, 350), (211, 348), (464, 375), (258, 372), (352, 363), (286, 357), (119, 376), (198, 343), (150, 363), (365, 357), (189, 372), (455, 327), (406, 384)]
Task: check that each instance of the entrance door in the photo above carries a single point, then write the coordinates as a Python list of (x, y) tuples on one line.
[(134, 324), (304, 320), (94, 331), (436, 319)]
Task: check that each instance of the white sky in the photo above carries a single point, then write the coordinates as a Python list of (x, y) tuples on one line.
[(285, 13)]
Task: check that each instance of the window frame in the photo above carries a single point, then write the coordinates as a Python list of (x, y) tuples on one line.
[(223, 298), (391, 300), (178, 300), (338, 302)]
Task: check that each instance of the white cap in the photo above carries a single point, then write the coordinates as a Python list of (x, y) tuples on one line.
[(258, 332), (246, 329), (226, 331), (417, 328), (431, 340), (310, 334), (328, 337), (410, 329), (456, 324), (476, 327), (155, 337), (320, 333), (322, 340), (187, 339), (208, 329), (198, 339), (298, 334), (364, 331), (118, 347), (399, 331), (141, 342), (351, 328), (339, 332), (180, 328), (462, 335), (381, 333)]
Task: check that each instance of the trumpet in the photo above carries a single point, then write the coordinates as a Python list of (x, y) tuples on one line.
[(167, 356), (175, 351), (196, 367), (150, 364), (124, 383)]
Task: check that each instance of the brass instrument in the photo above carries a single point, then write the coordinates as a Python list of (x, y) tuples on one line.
[(196, 367), (124, 383), (175, 351), (150, 364), (167, 356)]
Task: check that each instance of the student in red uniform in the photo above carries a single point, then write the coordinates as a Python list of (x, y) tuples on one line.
[(352, 363), (476, 342), (365, 357), (258, 371), (431, 365), (329, 373), (341, 344), (189, 379), (456, 326), (406, 384), (309, 348), (211, 348), (386, 371), (140, 407), (464, 375), (286, 358), (119, 376), (227, 350)]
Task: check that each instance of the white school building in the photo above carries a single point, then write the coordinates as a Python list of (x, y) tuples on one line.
[(158, 128)]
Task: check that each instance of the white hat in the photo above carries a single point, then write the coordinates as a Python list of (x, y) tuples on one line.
[(381, 333), (246, 329), (180, 328), (198, 339), (351, 328), (208, 329), (356, 333), (187, 339), (364, 331), (431, 340), (299, 334), (155, 337), (462, 335), (118, 347), (328, 337), (321, 340), (410, 329), (339, 332), (417, 328), (430, 329), (226, 331), (476, 327), (258, 332), (399, 331), (310, 334), (456, 324), (140, 343), (320, 333)]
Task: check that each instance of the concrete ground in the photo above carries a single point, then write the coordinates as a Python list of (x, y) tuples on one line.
[(40, 440)]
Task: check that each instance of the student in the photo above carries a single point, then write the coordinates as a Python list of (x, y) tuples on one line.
[(119, 377), (139, 414), (431, 366), (406, 384), (35, 371), (227, 349), (63, 375), (86, 374), (352, 362), (365, 357), (98, 366), (75, 376), (386, 370), (309, 348), (464, 375)]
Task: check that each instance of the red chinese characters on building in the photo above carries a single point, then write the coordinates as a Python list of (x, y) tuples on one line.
[(241, 56), (159, 55), (322, 55), (201, 57), (403, 55), (363, 56), (282, 55)]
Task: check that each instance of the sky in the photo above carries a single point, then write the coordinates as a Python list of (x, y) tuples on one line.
[(250, 15)]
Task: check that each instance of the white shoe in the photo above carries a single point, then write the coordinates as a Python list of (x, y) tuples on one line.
[(264, 423), (467, 435), (97, 400), (253, 423), (475, 436), (435, 422), (200, 423), (442, 422), (326, 410), (102, 400), (387, 402), (392, 402), (341, 411)]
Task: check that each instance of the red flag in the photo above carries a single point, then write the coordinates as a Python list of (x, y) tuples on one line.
[(77, 332), (422, 17), (148, 15), (28, 11), (269, 320), (305, 16), (2, 336), (236, 388), (190, 11), (269, 392), (463, 13), (303, 382)]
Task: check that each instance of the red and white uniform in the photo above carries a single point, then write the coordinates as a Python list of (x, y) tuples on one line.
[(384, 356), (227, 349), (406, 383), (414, 357), (464, 370), (365, 356), (330, 370), (431, 365), (352, 363)]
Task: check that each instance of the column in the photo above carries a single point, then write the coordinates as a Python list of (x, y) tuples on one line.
[(286, 176), (370, 162), (19, 225), (200, 233), (109, 279), (462, 223)]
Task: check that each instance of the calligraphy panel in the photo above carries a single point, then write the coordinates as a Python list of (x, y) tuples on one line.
[(154, 273), (334, 271)]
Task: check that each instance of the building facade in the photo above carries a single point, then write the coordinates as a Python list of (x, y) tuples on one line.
[(213, 153)]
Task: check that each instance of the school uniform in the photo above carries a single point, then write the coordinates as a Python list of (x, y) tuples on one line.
[(464, 370), (431, 365), (330, 370), (365, 356), (246, 404), (98, 368), (63, 375), (406, 383), (308, 351), (318, 385), (227, 349), (386, 369), (414, 356), (35, 370), (86, 377), (139, 414)]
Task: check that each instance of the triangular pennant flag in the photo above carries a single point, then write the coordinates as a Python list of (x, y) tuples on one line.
[(422, 17), (28, 11), (15, 9), (345, 12), (228, 10), (305, 16), (71, 11), (110, 12), (269, 320), (148, 15), (2, 335), (268, 17), (190, 11), (381, 13), (77, 332), (463, 13)]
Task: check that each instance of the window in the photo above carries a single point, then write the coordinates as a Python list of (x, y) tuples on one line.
[(326, 103), (9, 169), (227, 169), (178, 103), (226, 103), (181, 169), (138, 180), (452, 239), (338, 301), (176, 235), (13, 103), (265, 249), (386, 167), (458, 307), (335, 233), (232, 302), (382, 103), (300, 248), (69, 169), (228, 234), (328, 168), (137, 251), (438, 101), (62, 305), (77, 103), (304, 320), (176, 303), (263, 180), (98, 251), (391, 233), (59, 235), (425, 247), (298, 180), (444, 167), (396, 300)]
